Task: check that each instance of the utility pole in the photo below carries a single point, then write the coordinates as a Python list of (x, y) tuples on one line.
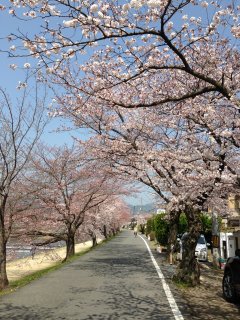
[(215, 239)]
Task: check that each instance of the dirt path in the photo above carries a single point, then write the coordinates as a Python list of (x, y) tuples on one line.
[(204, 302)]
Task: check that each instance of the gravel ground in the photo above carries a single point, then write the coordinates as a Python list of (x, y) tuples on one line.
[(204, 301)]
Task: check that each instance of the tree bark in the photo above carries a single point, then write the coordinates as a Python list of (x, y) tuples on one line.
[(94, 240), (140, 228), (188, 270), (70, 246), (3, 253), (3, 272), (172, 236), (105, 232)]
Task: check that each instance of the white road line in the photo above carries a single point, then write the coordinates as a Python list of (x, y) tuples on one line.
[(176, 312)]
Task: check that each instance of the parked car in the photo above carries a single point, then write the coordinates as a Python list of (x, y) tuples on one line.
[(201, 251), (231, 278)]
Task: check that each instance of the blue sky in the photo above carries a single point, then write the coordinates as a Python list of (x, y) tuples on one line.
[(9, 78)]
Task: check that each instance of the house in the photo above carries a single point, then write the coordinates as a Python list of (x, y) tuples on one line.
[(230, 240), (227, 245)]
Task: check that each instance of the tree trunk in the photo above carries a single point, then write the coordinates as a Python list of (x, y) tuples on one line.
[(70, 246), (3, 272), (141, 228), (94, 240), (188, 270), (172, 236), (105, 232)]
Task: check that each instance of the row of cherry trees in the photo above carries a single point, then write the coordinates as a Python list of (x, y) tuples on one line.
[(50, 194), (72, 197), (160, 92)]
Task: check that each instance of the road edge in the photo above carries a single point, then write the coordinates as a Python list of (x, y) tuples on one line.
[(175, 310)]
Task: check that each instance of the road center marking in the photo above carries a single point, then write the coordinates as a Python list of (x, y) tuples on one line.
[(176, 312)]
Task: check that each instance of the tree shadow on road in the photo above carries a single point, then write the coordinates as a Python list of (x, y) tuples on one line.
[(204, 302), (131, 288), (13, 312)]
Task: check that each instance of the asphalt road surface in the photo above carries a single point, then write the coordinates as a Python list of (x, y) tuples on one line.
[(117, 280)]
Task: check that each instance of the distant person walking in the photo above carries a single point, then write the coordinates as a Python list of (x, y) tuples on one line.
[(135, 231)]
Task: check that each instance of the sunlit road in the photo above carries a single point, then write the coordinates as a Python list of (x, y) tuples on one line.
[(115, 281)]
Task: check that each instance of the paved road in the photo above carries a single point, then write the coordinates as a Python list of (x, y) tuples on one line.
[(115, 281)]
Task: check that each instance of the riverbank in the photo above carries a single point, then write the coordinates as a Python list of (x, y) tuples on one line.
[(20, 268)]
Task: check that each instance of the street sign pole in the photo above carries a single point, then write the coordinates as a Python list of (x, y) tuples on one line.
[(215, 240)]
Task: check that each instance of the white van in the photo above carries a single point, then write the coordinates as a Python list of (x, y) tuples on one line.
[(201, 251)]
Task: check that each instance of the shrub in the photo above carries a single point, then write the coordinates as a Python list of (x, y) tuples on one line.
[(149, 226), (161, 227)]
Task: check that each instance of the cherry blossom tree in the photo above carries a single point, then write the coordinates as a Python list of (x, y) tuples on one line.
[(106, 219), (173, 65), (21, 127), (190, 44), (154, 50), (67, 189), (177, 159)]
